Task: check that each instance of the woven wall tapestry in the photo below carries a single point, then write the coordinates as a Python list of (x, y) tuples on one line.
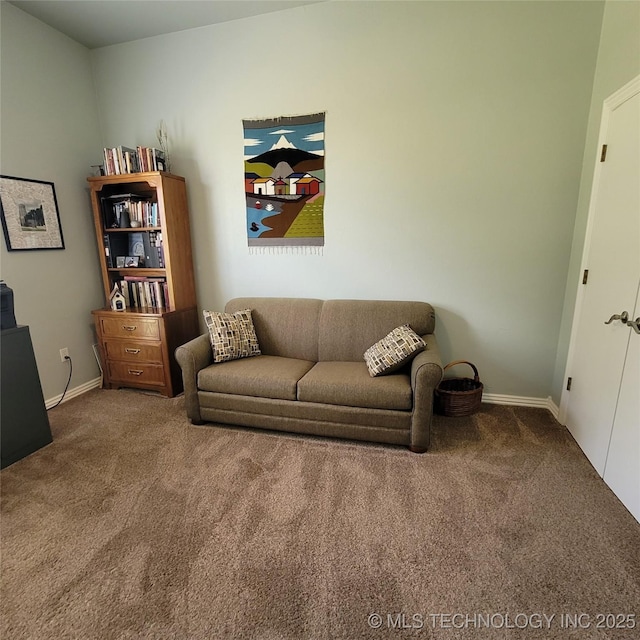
[(284, 183)]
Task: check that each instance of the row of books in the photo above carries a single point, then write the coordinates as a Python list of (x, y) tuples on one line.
[(130, 207), (119, 160), (141, 292)]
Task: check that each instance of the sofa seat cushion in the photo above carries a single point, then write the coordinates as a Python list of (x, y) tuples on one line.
[(260, 376), (349, 384)]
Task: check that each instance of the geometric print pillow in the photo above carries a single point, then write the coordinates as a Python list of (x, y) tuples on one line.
[(232, 335), (394, 350)]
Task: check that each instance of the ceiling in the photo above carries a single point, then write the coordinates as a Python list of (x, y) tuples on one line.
[(99, 23)]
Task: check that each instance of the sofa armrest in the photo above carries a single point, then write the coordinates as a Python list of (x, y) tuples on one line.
[(192, 357), (426, 367), (426, 373)]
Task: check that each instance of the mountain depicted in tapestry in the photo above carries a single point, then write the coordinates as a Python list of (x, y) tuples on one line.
[(284, 181)]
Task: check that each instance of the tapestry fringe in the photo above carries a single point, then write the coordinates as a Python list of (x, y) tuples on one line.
[(301, 250)]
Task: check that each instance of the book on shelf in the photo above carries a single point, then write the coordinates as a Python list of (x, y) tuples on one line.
[(127, 160), (121, 160), (107, 250)]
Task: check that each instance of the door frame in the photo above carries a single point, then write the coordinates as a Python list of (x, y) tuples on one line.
[(616, 99)]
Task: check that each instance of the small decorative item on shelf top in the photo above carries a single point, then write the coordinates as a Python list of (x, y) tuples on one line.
[(163, 139), (124, 221), (118, 302)]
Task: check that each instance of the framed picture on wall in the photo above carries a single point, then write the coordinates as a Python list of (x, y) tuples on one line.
[(30, 216)]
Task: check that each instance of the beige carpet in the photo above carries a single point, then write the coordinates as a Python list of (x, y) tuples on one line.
[(135, 524)]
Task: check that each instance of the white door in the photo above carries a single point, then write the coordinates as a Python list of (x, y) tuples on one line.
[(603, 358)]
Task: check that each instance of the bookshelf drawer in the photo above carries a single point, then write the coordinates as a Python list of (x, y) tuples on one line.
[(130, 327), (133, 351), (136, 373)]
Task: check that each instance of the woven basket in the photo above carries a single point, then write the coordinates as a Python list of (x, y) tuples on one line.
[(459, 396)]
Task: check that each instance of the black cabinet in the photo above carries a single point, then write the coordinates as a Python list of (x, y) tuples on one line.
[(24, 423)]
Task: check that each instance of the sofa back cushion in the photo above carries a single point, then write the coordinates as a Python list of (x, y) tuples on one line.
[(349, 327), (286, 327)]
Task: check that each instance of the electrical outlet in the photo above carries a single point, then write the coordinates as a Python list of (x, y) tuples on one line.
[(64, 354)]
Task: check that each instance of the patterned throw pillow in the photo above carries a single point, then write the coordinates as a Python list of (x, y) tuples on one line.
[(232, 335), (394, 350)]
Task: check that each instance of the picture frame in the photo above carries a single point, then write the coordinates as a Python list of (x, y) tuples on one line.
[(120, 262), (29, 214), (132, 261)]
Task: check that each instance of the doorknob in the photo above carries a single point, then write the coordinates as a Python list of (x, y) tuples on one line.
[(623, 317)]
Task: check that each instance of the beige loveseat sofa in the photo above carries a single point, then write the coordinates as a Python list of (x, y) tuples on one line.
[(311, 377)]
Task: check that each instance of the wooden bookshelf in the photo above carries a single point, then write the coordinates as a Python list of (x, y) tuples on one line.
[(137, 344)]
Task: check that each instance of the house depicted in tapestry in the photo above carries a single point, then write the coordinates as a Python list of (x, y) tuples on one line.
[(306, 184), (248, 181), (263, 187), (296, 184)]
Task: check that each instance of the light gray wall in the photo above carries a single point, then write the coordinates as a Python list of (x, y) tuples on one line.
[(455, 135), (618, 63), (50, 132), (454, 142)]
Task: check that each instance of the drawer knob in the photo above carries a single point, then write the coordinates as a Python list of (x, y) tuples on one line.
[(135, 372), (129, 327), (129, 350)]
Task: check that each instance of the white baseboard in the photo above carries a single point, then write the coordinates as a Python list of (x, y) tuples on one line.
[(522, 401), (489, 398), (75, 392)]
